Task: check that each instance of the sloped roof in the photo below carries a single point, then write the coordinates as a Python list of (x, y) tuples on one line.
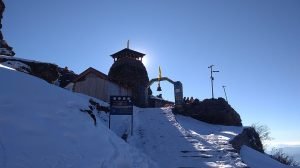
[(126, 52), (91, 70)]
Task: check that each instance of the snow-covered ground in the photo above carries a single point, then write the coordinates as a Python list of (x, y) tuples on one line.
[(182, 141), (41, 125)]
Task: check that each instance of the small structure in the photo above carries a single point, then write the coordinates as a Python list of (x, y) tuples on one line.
[(96, 84)]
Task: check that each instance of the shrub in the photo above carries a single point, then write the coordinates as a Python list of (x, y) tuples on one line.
[(283, 158)]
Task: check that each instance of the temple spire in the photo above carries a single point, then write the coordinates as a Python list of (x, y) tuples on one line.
[(128, 54)]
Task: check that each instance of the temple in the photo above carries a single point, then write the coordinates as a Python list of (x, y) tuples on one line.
[(128, 70)]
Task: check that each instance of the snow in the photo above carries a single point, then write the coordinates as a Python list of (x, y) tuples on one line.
[(6, 67), (69, 86), (41, 125), (17, 65), (178, 141), (19, 59), (256, 159)]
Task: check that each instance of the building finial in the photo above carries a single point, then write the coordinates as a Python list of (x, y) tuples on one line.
[(128, 44)]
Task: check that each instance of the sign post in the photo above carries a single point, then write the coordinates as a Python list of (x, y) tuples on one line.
[(121, 105)]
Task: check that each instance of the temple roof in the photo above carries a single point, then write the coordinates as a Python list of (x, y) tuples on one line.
[(126, 52)]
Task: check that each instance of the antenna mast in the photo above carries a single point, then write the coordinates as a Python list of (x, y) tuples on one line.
[(225, 93), (212, 80)]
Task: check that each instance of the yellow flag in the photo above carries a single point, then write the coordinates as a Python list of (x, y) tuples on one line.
[(159, 75)]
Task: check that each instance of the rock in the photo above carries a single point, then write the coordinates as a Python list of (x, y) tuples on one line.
[(65, 76), (248, 137), (5, 49), (47, 71), (214, 111)]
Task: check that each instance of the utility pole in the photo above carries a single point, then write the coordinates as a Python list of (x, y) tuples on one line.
[(212, 80), (225, 93)]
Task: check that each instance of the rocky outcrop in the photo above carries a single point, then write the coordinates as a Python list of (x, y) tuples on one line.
[(47, 71), (5, 49), (133, 74), (214, 111), (248, 137)]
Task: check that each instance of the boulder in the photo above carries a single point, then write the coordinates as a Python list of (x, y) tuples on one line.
[(214, 111), (248, 137), (5, 49)]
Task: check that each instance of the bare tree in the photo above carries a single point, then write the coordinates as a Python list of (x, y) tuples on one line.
[(263, 132)]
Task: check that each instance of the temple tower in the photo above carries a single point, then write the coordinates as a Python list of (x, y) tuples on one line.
[(129, 71)]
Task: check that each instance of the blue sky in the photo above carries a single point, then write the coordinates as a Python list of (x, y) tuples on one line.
[(254, 44)]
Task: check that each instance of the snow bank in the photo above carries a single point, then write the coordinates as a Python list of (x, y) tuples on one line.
[(6, 67), (255, 159), (41, 125)]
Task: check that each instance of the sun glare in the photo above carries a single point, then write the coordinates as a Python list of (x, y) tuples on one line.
[(145, 61)]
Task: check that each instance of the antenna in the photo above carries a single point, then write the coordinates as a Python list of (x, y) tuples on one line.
[(212, 80), (225, 92), (128, 44)]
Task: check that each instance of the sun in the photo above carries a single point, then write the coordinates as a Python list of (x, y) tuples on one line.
[(145, 61)]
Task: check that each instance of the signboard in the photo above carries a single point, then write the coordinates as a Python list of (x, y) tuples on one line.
[(121, 105)]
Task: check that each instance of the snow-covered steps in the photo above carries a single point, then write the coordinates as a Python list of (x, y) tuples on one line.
[(178, 141)]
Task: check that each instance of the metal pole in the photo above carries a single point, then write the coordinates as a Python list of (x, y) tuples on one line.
[(225, 93), (212, 83), (109, 121), (132, 124), (212, 80)]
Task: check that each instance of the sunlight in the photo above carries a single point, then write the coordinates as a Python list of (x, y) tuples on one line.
[(146, 61)]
